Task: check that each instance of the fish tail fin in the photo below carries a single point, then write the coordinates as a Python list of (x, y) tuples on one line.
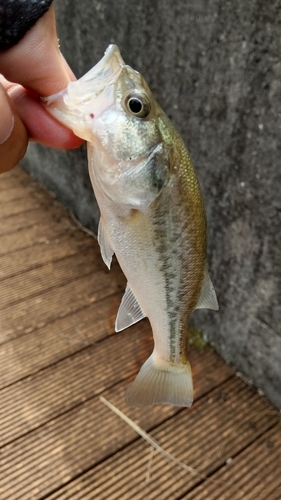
[(161, 382)]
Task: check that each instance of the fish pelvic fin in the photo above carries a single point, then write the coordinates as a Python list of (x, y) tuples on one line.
[(161, 382), (129, 312)]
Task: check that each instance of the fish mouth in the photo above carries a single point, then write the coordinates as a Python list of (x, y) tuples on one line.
[(106, 70), (86, 98)]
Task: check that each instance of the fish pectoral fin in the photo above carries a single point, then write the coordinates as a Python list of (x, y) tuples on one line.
[(161, 382), (208, 298), (129, 312), (105, 248)]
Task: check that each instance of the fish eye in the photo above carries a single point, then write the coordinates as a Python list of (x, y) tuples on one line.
[(138, 105)]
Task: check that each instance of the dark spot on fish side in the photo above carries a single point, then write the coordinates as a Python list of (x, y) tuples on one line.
[(92, 115)]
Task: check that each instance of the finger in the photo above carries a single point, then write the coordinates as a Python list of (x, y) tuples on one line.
[(13, 135), (36, 62), (41, 126)]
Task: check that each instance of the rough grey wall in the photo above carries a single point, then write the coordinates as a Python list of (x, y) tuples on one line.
[(215, 68)]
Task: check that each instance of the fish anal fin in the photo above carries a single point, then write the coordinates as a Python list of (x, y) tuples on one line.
[(160, 382), (129, 312), (105, 248), (208, 298)]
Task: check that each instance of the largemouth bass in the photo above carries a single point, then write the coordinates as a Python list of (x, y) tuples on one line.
[(152, 216)]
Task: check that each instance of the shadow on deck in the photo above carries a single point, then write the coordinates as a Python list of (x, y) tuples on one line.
[(59, 352)]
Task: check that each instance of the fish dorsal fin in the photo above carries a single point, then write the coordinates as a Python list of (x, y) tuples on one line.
[(105, 248), (129, 312), (208, 298)]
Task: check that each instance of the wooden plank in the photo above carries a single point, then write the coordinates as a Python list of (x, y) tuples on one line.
[(21, 216), (252, 475), (21, 206), (56, 389), (16, 215), (44, 232), (123, 476), (13, 223), (51, 250), (18, 192), (51, 275), (201, 437), (15, 176), (22, 357), (7, 183), (76, 441), (71, 381), (36, 312)]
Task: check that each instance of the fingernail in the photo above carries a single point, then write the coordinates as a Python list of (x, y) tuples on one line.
[(7, 119)]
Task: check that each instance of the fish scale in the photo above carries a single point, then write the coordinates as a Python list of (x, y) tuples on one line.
[(152, 216)]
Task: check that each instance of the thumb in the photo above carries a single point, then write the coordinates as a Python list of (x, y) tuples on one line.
[(13, 135)]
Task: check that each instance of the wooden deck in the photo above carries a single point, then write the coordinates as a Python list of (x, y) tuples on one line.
[(59, 353)]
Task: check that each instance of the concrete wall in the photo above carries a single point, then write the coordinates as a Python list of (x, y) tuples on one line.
[(215, 68)]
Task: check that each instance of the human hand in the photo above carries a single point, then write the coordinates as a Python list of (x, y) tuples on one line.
[(32, 68)]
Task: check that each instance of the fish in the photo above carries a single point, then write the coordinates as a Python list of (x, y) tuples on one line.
[(152, 216)]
